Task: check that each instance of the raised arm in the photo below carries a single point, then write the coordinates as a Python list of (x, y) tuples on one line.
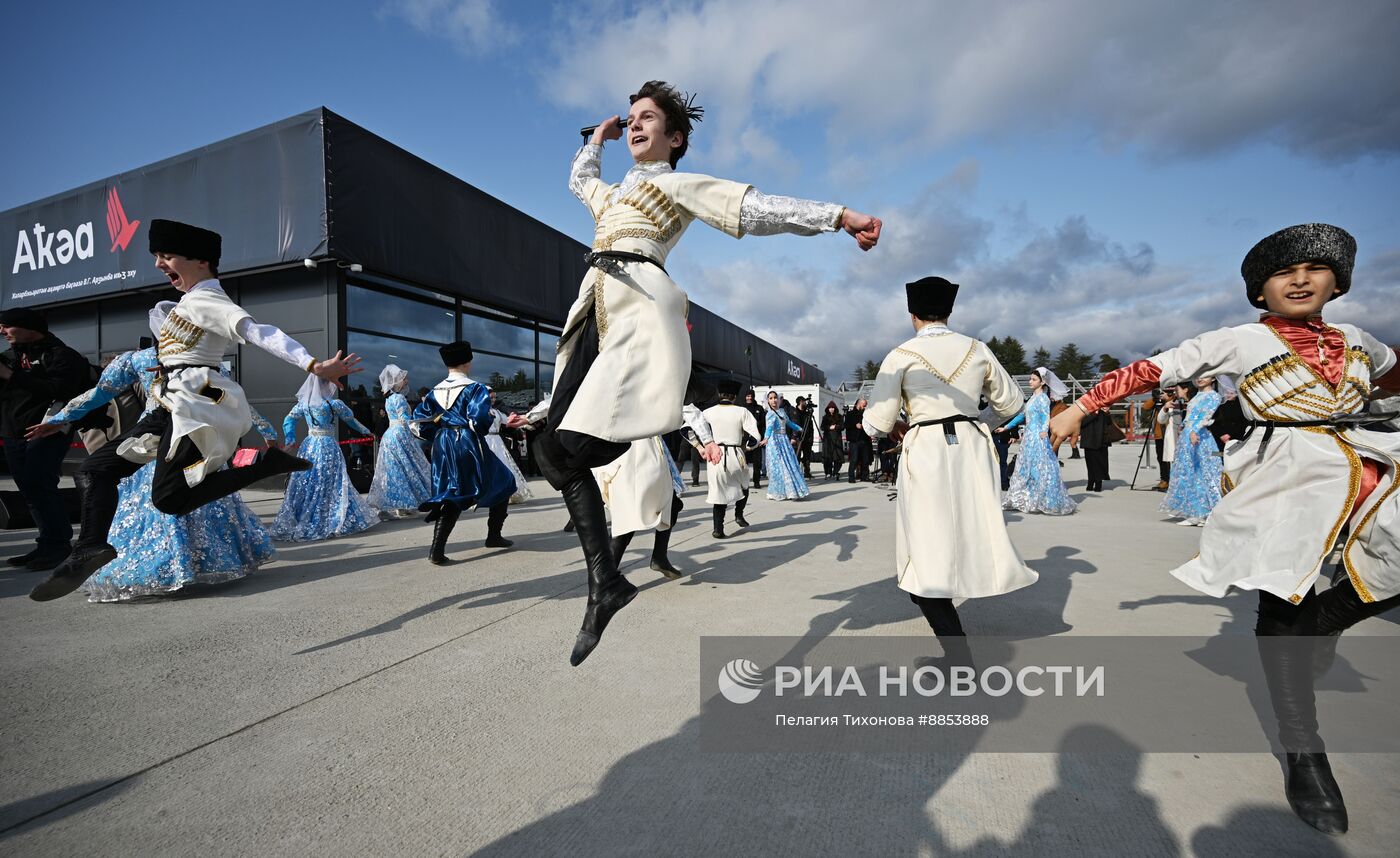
[(341, 410), (274, 341), (120, 375), (1212, 353)]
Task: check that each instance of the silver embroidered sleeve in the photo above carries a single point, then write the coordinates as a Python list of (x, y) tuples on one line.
[(769, 214), (587, 165)]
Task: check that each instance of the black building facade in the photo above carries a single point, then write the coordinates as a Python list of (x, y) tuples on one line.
[(343, 240)]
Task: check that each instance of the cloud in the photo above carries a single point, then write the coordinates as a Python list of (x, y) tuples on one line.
[(472, 26), (1175, 79), (1056, 284)]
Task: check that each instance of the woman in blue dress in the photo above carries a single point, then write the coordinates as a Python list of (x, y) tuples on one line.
[(784, 473), (403, 479), (1195, 480), (320, 503), (158, 554), (1037, 485)]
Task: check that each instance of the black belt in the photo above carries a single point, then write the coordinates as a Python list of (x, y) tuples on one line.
[(163, 369), (949, 424), (1336, 421), (607, 260)]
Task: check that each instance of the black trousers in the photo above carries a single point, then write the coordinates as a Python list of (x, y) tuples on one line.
[(562, 454), (170, 493), (860, 461), (36, 466), (1096, 462), (1002, 442), (1164, 468), (688, 452)]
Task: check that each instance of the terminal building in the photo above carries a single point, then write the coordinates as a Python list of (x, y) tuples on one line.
[(343, 240)]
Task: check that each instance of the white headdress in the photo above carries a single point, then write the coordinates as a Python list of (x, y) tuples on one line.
[(315, 391), (1054, 388), (390, 377), (156, 317), (1226, 387)]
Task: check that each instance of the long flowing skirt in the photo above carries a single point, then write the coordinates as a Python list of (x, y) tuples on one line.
[(159, 553), (403, 479), (1195, 484), (321, 503), (522, 488), (785, 480), (1037, 485)]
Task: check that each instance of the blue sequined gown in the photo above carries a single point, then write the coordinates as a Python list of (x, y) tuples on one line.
[(785, 480), (158, 553), (465, 471), (1037, 485), (321, 503), (1195, 484), (403, 479)]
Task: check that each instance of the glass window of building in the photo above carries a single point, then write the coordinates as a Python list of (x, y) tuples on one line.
[(513, 379), (494, 336), (548, 344), (390, 314)]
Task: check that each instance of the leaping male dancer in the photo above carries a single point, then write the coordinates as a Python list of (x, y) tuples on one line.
[(624, 358), (201, 413)]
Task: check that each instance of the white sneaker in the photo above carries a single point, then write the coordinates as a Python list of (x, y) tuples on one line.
[(1186, 522)]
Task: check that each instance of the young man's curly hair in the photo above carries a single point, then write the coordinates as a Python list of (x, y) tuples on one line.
[(680, 111)]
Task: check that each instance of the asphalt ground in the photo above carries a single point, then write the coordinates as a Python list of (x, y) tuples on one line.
[(352, 699)]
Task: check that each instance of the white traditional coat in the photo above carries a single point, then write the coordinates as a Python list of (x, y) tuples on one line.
[(636, 385), (639, 485), (1291, 498), (730, 478), (950, 537)]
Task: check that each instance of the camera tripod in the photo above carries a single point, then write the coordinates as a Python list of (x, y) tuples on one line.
[(1143, 454)]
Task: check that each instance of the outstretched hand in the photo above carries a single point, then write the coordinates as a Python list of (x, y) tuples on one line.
[(43, 430), (516, 421), (712, 453), (865, 228), (1065, 425), (337, 367)]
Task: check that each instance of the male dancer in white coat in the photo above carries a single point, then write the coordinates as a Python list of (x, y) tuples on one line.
[(728, 480), (202, 413), (950, 537)]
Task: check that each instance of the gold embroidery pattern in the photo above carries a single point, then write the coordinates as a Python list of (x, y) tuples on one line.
[(1353, 489), (1356, 582), (607, 241), (657, 208), (946, 379), (178, 335), (600, 309)]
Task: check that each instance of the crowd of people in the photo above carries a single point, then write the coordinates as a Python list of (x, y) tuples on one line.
[(1306, 458)]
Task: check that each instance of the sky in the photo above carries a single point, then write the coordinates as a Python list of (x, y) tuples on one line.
[(1089, 171)]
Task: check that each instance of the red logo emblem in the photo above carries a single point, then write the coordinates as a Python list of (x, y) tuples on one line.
[(118, 227)]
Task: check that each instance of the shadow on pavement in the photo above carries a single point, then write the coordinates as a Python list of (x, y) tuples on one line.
[(48, 808)]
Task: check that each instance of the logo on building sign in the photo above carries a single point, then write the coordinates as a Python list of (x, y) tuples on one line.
[(118, 227), (40, 247), (794, 370)]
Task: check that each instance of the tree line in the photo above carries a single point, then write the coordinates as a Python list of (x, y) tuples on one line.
[(1070, 360)]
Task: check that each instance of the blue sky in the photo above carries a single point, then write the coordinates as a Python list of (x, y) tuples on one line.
[(1090, 171)]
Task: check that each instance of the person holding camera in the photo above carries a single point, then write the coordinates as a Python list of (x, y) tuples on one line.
[(36, 372)]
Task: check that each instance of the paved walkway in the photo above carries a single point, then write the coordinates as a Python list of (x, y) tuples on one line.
[(352, 699)]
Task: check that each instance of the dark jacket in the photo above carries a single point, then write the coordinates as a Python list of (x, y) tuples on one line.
[(856, 436), (1091, 430), (45, 372), (803, 417)]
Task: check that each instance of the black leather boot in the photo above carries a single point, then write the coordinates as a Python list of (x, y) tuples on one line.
[(739, 511), (1288, 660), (444, 519), (660, 562), (608, 591), (495, 520), (719, 521), (99, 507), (619, 544)]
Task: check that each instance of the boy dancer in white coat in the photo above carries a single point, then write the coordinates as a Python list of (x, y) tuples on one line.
[(950, 537)]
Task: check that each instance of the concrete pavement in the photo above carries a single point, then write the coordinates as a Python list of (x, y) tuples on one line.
[(350, 698)]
